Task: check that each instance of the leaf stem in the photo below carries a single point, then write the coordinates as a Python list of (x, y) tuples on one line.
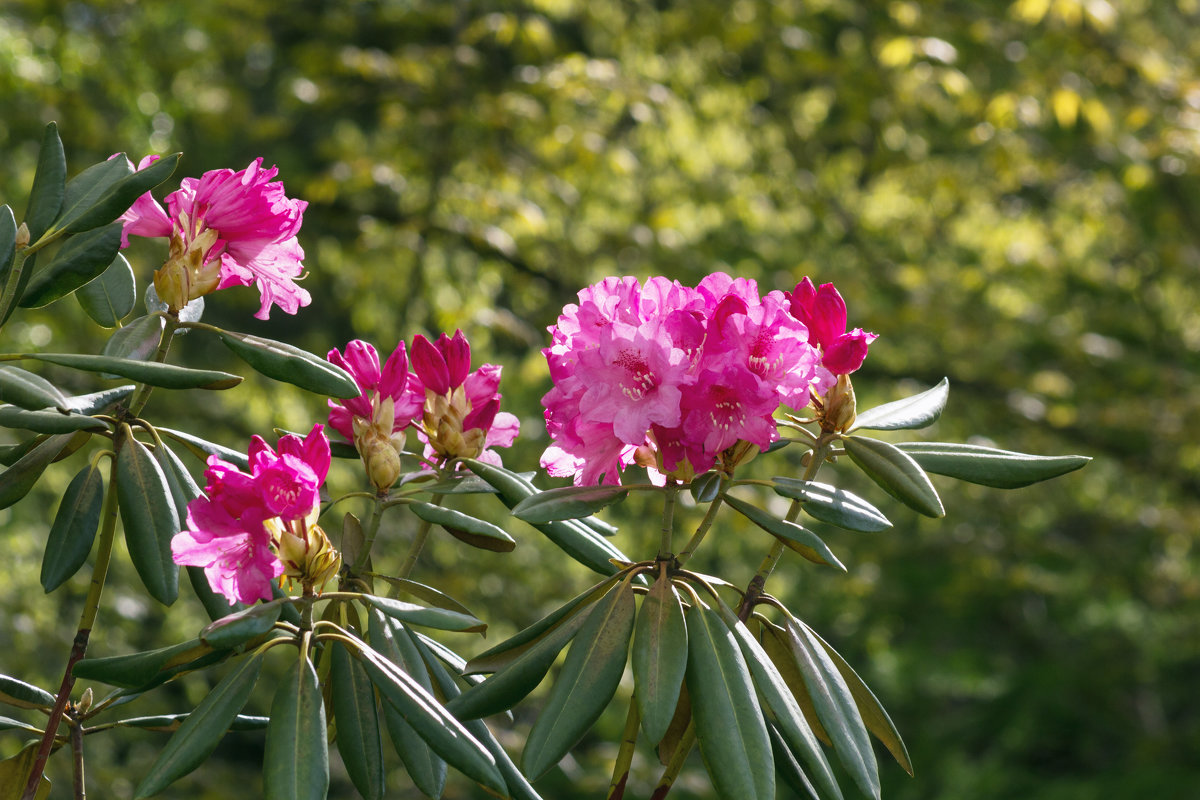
[(142, 394), (668, 521), (9, 298), (418, 542), (705, 523), (682, 751), (77, 752), (616, 789), (369, 532)]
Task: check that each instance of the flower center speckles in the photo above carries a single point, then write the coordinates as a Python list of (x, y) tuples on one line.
[(640, 379), (760, 360)]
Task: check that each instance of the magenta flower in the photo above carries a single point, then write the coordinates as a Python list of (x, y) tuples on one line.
[(226, 229), (824, 312), (392, 382)]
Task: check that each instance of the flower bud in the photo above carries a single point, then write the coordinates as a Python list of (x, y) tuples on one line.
[(383, 464), (22, 236), (187, 274), (840, 411), (307, 554)]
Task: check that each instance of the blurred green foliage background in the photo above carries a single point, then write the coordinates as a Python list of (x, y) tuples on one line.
[(1005, 191)]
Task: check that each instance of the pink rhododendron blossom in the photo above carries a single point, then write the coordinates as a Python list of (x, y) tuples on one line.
[(824, 312), (680, 373), (234, 531), (393, 381), (226, 229)]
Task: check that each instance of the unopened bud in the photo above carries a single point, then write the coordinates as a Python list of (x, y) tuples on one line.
[(840, 408), (383, 464), (307, 554), (22, 236), (85, 702)]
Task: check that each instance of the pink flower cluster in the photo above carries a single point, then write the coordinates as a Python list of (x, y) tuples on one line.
[(231, 531), (682, 372), (232, 229)]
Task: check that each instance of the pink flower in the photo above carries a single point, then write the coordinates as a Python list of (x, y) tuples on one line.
[(393, 382), (226, 229), (824, 312)]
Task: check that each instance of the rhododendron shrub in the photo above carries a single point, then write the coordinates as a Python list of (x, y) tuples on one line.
[(687, 382)]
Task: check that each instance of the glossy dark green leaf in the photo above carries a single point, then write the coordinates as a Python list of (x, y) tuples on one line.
[(462, 526), (574, 538), (296, 756), (430, 595), (706, 487), (356, 715), (788, 768), (149, 518), (137, 341), (97, 402), (167, 376), (215, 605), (988, 466), (24, 695), (135, 670), (198, 736), (180, 483), (896, 473), (27, 390), (283, 362), (202, 448), (17, 480), (918, 411), (10, 724), (81, 260), (49, 184), (98, 202), (8, 243), (830, 504), (589, 677), (74, 529), (798, 538), (110, 297), (729, 722), (567, 502), (169, 723), (445, 734), (835, 706), (659, 658), (440, 618), (47, 421), (241, 626)]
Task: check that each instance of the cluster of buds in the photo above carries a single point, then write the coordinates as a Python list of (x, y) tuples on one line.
[(305, 551), (457, 415)]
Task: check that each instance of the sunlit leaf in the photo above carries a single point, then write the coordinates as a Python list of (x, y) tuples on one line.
[(284, 362), (137, 670), (476, 532), (47, 421), (49, 184), (241, 626), (111, 297), (706, 487), (81, 259), (15, 771), (567, 502), (27, 390), (167, 376), (97, 202), (988, 466), (440, 618), (149, 518), (830, 504), (137, 341), (18, 479), (918, 411), (296, 756), (659, 657), (896, 473), (18, 693), (798, 538)]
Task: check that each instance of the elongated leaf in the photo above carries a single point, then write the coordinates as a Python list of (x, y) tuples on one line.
[(137, 341), (81, 259), (97, 402), (202, 448), (873, 715), (588, 679), (49, 184), (200, 733), (27, 390), (988, 466), (111, 297), (150, 519), (835, 706), (445, 734), (706, 487), (136, 670), (478, 532), (789, 768), (289, 364), (896, 473), (180, 483), (24, 695), (729, 723), (74, 529), (800, 539), (169, 723), (440, 618), (8, 244), (776, 643), (357, 718), (14, 772), (296, 758), (918, 411), (86, 189), (103, 200), (659, 658), (830, 504), (47, 421), (567, 502), (17, 480), (167, 376), (241, 626), (430, 595)]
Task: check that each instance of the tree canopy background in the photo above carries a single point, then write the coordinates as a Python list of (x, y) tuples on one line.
[(1005, 191)]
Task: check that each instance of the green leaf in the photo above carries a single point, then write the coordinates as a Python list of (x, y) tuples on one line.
[(988, 466), (659, 658), (136, 670), (896, 473), (475, 532), (776, 643), (97, 402), (283, 362), (706, 487), (198, 736), (183, 489), (352, 700), (47, 421), (835, 706), (74, 529), (24, 695), (918, 411), (215, 605), (429, 594), (788, 768), (833, 505), (111, 297), (241, 626), (49, 184), (17, 480), (729, 722), (150, 519), (27, 390), (445, 734), (798, 538), (574, 538), (167, 376), (296, 757), (439, 618), (169, 723), (567, 502), (202, 448), (81, 259), (109, 192), (589, 677), (15, 771), (8, 243), (137, 341)]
